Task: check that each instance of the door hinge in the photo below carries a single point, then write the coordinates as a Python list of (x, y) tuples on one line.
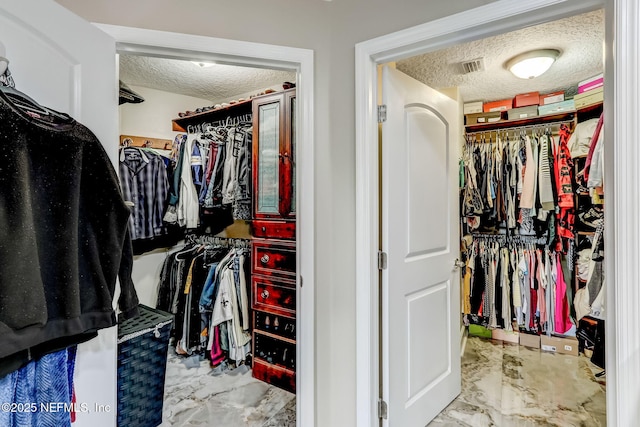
[(382, 113), (301, 281), (382, 409), (382, 260)]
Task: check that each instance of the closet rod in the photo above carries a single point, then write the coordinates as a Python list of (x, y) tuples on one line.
[(229, 121), (522, 238), (516, 129), (220, 241)]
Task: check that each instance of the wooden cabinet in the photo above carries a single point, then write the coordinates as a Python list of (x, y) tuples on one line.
[(274, 156), (273, 300), (273, 268)]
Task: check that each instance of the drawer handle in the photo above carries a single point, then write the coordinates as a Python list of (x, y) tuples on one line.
[(264, 259), (264, 294)]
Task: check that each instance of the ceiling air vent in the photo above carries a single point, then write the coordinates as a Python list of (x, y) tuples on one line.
[(472, 66)]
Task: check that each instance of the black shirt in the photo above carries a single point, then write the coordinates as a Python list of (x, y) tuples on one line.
[(63, 231)]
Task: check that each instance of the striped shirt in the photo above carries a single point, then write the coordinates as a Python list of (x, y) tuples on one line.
[(143, 177)]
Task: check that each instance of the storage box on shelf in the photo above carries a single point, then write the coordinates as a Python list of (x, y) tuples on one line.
[(523, 112), (476, 118), (273, 268), (591, 97), (551, 98), (591, 83), (472, 107), (501, 105), (557, 107), (526, 99)]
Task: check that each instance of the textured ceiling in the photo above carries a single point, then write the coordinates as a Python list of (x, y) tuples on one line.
[(579, 38), (215, 83)]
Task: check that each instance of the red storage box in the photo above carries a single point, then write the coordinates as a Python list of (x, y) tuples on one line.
[(502, 105), (526, 99)]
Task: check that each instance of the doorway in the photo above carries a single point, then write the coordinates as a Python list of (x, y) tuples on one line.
[(470, 25), (210, 108), (198, 48)]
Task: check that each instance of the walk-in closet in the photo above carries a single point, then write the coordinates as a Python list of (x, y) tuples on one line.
[(207, 160), (531, 222)]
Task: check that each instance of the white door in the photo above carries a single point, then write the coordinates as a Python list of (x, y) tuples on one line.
[(420, 287), (65, 63)]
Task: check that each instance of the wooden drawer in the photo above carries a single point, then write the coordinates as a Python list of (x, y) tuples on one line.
[(281, 326), (271, 258), (275, 229), (275, 375), (278, 297), (275, 351)]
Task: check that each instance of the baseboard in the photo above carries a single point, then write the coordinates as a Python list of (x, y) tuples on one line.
[(464, 332)]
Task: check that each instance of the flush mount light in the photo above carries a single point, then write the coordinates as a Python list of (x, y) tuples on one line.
[(532, 64)]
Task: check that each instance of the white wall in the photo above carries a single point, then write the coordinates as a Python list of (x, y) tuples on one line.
[(152, 118), (331, 29)]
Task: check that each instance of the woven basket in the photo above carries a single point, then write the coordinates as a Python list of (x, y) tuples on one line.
[(142, 360)]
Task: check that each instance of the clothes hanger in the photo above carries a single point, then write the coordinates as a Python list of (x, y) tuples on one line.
[(128, 95), (25, 103), (190, 247), (22, 100)]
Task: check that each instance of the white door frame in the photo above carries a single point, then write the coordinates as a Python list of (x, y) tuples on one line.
[(184, 46), (622, 88)]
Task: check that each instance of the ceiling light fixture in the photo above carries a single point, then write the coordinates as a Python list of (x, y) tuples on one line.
[(204, 64), (532, 64)]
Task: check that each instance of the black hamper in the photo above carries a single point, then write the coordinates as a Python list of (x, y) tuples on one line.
[(142, 360)]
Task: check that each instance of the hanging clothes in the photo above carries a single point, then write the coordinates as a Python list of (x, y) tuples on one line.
[(177, 157), (527, 198), (592, 147), (511, 183), (46, 381), (144, 182), (206, 288), (565, 216), (546, 173), (187, 209), (230, 183), (64, 233), (562, 317), (516, 280), (580, 139)]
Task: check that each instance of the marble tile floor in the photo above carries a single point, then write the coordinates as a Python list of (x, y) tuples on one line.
[(513, 386), (195, 397)]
